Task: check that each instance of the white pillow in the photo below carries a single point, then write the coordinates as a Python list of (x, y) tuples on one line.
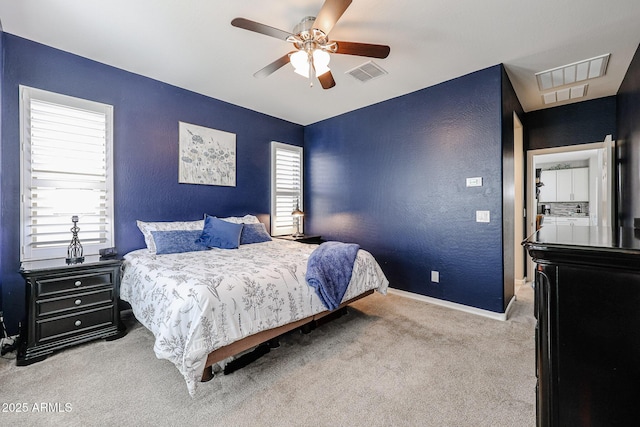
[(247, 219), (147, 227)]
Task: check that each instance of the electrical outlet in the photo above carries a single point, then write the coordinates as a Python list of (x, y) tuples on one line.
[(435, 276)]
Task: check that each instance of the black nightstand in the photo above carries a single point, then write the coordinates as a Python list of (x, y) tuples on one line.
[(67, 305), (305, 238)]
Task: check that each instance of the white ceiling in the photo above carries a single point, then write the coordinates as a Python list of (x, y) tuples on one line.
[(191, 44)]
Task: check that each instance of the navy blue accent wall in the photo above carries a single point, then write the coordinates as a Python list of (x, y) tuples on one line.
[(391, 177), (628, 144), (580, 123), (146, 116)]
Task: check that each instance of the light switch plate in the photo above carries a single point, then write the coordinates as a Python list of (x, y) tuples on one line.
[(483, 216), (474, 182), (435, 276)]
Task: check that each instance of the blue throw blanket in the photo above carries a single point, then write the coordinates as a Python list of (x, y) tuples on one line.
[(329, 271)]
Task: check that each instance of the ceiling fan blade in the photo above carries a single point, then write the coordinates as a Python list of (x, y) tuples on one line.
[(331, 11), (257, 27), (363, 49), (326, 80), (273, 67)]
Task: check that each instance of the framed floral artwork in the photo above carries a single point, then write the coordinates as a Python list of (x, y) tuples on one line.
[(207, 156)]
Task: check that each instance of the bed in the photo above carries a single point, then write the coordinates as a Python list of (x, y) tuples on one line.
[(207, 305)]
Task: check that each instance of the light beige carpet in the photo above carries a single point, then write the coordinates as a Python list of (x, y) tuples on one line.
[(391, 361)]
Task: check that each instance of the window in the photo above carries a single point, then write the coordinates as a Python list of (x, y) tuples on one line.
[(67, 170), (286, 187)]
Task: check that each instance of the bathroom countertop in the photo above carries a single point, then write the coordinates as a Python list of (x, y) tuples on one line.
[(580, 215)]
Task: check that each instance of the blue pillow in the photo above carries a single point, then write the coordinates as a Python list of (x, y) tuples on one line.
[(254, 233), (177, 241), (220, 234)]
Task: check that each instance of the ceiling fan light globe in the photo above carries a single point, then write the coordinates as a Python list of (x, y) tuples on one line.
[(321, 70), (300, 63), (321, 61), (303, 71), (299, 59)]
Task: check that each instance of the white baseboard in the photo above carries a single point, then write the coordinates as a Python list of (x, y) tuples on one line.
[(460, 307)]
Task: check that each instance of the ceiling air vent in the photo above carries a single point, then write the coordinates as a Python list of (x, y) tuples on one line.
[(367, 71), (572, 73), (565, 94)]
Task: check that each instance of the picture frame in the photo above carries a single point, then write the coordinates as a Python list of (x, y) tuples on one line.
[(206, 156)]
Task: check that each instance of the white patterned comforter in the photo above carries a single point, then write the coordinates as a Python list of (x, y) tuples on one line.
[(197, 302)]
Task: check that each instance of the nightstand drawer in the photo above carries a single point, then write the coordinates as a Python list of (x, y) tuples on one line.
[(57, 327), (51, 285), (76, 301)]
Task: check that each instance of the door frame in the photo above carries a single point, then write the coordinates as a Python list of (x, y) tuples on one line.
[(519, 219), (608, 145)]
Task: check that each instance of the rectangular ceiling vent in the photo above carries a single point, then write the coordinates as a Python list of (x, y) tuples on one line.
[(367, 71), (565, 94), (573, 73)]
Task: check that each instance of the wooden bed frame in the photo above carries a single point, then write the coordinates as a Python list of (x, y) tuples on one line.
[(264, 336)]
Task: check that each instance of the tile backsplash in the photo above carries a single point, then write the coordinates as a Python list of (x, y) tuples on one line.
[(567, 208)]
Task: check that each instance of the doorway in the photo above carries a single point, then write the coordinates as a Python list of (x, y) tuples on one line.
[(599, 158)]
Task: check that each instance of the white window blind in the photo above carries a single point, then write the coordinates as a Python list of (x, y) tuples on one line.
[(66, 171), (286, 187)]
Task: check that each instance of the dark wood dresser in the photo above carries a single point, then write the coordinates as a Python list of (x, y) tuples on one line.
[(587, 304), (67, 305)]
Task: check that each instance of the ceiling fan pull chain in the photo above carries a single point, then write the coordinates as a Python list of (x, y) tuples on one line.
[(312, 68)]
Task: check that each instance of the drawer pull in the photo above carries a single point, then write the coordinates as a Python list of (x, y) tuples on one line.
[(78, 323), (78, 283), (78, 301)]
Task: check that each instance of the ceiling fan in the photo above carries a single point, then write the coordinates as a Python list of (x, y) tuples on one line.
[(310, 38)]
